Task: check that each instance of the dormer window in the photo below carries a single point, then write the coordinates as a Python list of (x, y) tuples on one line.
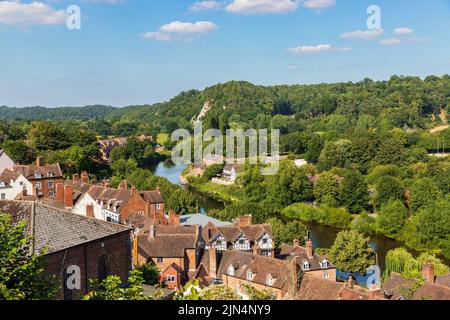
[(37, 175), (50, 174), (306, 266), (324, 264), (2, 184), (269, 280), (230, 270), (250, 275)]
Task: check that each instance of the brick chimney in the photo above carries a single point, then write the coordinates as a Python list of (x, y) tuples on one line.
[(243, 221), (212, 262), (106, 183), (158, 189), (76, 177), (39, 161), (428, 272), (174, 219), (296, 243), (60, 191), (84, 177), (90, 211), (198, 231), (133, 190), (123, 185), (309, 248), (152, 234), (68, 196)]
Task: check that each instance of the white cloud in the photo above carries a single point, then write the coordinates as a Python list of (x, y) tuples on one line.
[(317, 49), (178, 30), (397, 41), (362, 35), (247, 7), (199, 27), (206, 5), (27, 14), (391, 41), (318, 4), (403, 31)]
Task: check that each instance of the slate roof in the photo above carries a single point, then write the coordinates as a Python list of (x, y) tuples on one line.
[(201, 219), (57, 229), (7, 175)]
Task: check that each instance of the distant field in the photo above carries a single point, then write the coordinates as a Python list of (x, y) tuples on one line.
[(162, 138)]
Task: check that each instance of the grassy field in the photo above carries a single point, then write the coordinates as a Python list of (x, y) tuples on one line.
[(225, 193)]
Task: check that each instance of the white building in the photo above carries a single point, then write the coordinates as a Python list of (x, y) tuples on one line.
[(12, 184)]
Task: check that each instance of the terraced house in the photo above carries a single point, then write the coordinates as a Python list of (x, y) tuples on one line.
[(243, 235)]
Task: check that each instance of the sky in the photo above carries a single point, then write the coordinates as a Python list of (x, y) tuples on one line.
[(130, 52)]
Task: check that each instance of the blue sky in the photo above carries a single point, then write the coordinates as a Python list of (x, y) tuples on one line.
[(145, 51)]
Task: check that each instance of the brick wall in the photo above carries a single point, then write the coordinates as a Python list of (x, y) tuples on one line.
[(233, 283), (45, 190), (117, 250), (134, 204), (321, 274)]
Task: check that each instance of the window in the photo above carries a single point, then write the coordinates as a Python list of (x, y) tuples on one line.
[(50, 174), (2, 184), (21, 183), (158, 206), (159, 260), (170, 278), (324, 264), (3, 196), (51, 184), (37, 175), (306, 266), (102, 268), (51, 194), (265, 241), (38, 185), (326, 276), (230, 270), (241, 242), (269, 280), (249, 275)]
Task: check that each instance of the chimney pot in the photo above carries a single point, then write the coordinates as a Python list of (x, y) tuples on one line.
[(38, 161), (68, 196), (350, 282), (152, 232), (309, 249)]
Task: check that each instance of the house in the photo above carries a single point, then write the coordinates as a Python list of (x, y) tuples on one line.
[(75, 245), (396, 287), (5, 161), (13, 184), (106, 146), (310, 262), (43, 177), (237, 268), (115, 205), (229, 175), (241, 236), (176, 250)]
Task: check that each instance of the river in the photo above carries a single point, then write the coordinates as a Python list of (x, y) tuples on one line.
[(322, 236)]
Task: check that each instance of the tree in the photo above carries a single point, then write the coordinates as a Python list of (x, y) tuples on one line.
[(45, 135), (389, 188), (22, 275), (392, 218), (287, 232), (219, 292), (351, 252), (213, 171), (353, 192), (423, 192), (19, 151), (256, 294), (182, 202), (326, 188), (150, 274), (112, 288), (314, 148)]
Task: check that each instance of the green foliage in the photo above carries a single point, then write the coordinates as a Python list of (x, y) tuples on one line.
[(19, 151), (256, 294), (182, 202), (353, 193), (389, 188), (351, 252), (22, 275), (334, 217), (392, 218), (213, 171), (219, 292), (401, 261), (112, 288), (326, 189), (234, 210), (423, 193), (287, 232), (150, 274)]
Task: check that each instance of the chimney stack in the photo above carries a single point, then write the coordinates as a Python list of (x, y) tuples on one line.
[(198, 231), (244, 221), (68, 196), (152, 235), (76, 177), (123, 185), (212, 262), (39, 161), (309, 248), (428, 272), (106, 183), (90, 211), (174, 219), (84, 177), (158, 189), (350, 282), (296, 243), (60, 191)]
